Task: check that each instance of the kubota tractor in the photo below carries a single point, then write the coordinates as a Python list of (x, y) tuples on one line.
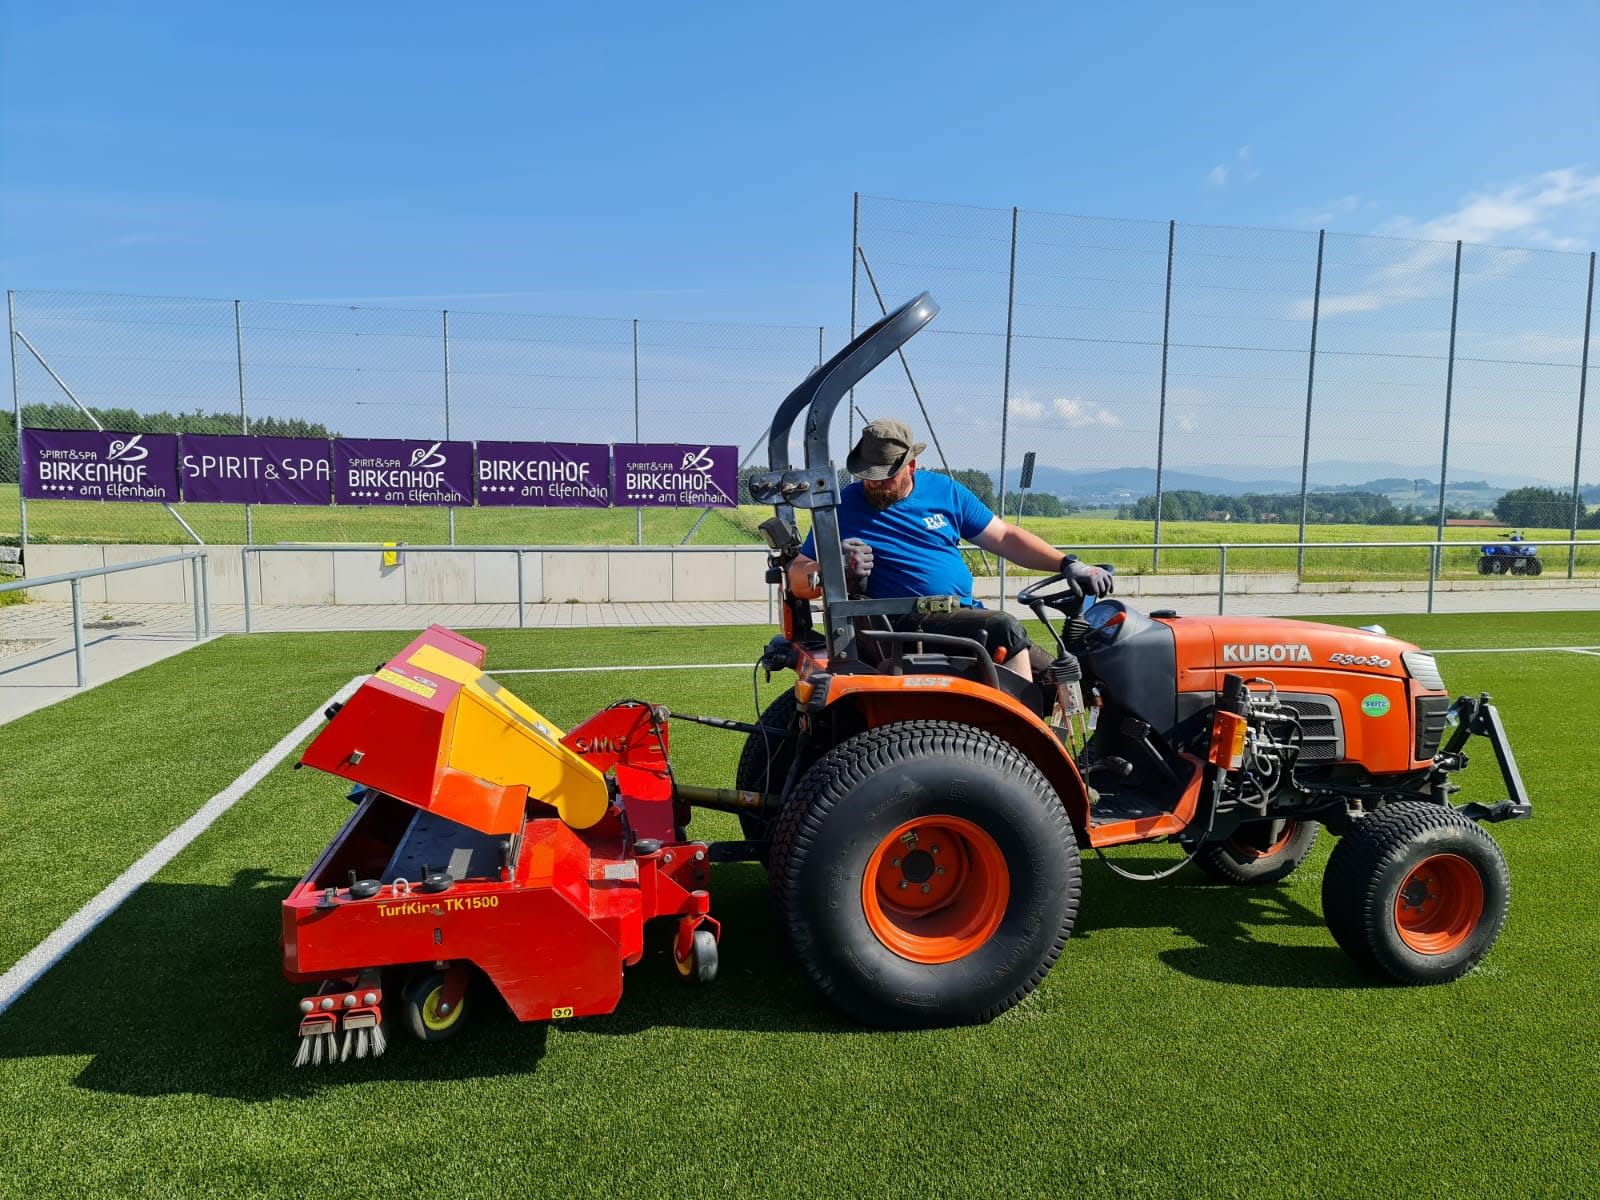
[(925, 812), (920, 812)]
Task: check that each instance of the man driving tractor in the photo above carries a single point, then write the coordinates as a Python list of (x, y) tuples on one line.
[(902, 536)]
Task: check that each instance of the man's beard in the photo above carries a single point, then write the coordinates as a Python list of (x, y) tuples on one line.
[(884, 498)]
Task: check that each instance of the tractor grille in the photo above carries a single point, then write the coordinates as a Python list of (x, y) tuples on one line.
[(1320, 725), (1431, 713)]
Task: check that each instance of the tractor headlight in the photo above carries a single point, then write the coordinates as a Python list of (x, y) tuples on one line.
[(1423, 669)]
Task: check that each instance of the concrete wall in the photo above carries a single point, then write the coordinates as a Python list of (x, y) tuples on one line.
[(316, 576)]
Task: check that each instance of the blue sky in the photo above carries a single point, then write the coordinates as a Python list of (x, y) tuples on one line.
[(697, 161)]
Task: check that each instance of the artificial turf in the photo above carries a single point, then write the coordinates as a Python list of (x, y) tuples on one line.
[(1193, 1039)]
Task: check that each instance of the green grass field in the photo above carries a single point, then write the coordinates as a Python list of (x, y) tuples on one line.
[(1193, 1040), (223, 524)]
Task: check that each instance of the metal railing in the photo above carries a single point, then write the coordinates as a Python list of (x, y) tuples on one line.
[(521, 553), (1434, 549), (201, 593)]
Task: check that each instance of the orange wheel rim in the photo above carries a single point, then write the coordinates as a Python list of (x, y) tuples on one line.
[(935, 889), (1246, 850), (1439, 905)]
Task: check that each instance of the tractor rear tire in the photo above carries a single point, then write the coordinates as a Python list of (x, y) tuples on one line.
[(1535, 567), (1243, 860), (925, 874), (1416, 892), (1485, 565), (765, 760)]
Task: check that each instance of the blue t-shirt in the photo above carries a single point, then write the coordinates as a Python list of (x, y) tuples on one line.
[(914, 543)]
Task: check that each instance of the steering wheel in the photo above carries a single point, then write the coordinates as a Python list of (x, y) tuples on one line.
[(1067, 599)]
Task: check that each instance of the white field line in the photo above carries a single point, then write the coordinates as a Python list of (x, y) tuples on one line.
[(75, 928), (1520, 650)]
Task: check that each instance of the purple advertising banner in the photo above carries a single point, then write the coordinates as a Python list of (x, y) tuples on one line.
[(85, 464), (402, 471), (673, 476), (544, 474), (221, 469)]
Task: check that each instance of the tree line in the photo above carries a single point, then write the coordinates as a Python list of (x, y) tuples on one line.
[(1536, 507)]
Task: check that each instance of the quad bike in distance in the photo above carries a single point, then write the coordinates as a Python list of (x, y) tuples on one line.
[(1515, 557)]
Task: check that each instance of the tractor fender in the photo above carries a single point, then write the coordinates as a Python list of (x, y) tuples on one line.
[(874, 700)]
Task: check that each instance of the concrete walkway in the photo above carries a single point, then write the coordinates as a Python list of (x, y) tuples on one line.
[(37, 665)]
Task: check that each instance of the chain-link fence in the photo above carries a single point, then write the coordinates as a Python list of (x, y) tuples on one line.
[(147, 365), (1228, 379), (1167, 372)]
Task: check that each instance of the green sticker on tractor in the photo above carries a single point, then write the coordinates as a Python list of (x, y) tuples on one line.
[(1375, 705)]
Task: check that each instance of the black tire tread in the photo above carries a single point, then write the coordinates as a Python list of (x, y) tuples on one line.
[(1219, 861), (1355, 869), (752, 774), (851, 762)]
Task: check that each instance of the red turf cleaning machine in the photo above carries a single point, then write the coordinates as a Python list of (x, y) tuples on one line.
[(486, 840)]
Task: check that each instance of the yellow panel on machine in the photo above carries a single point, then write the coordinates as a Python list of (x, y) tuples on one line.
[(432, 730)]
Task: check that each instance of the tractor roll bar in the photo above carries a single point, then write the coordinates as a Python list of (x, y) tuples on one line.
[(821, 391), (815, 486)]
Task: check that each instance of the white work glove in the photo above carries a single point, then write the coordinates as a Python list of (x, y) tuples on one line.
[(1089, 580), (857, 563)]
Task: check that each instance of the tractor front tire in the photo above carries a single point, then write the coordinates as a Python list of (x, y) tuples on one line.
[(1416, 892), (925, 874), (765, 761), (1259, 852), (1485, 565)]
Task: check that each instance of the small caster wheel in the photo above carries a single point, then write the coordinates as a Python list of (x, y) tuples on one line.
[(701, 965), (422, 1001)]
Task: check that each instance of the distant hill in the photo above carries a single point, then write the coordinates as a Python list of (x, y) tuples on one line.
[(1122, 485)]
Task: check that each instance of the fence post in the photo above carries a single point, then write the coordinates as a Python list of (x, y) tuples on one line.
[(522, 606), (445, 314), (1433, 571), (244, 413), (16, 404), (638, 513), (1161, 419), (1449, 386), (1577, 454), (244, 575), (1222, 577), (1311, 376), (205, 590), (77, 631), (1005, 391)]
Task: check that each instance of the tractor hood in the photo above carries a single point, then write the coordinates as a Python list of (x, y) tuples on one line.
[(432, 730), (1261, 645)]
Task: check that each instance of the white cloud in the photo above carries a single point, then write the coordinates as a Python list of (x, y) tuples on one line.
[(1026, 408), (1553, 210), (1240, 167), (1187, 424), (1078, 414)]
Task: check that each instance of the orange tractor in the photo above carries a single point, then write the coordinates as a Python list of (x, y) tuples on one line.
[(920, 812), (924, 812)]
